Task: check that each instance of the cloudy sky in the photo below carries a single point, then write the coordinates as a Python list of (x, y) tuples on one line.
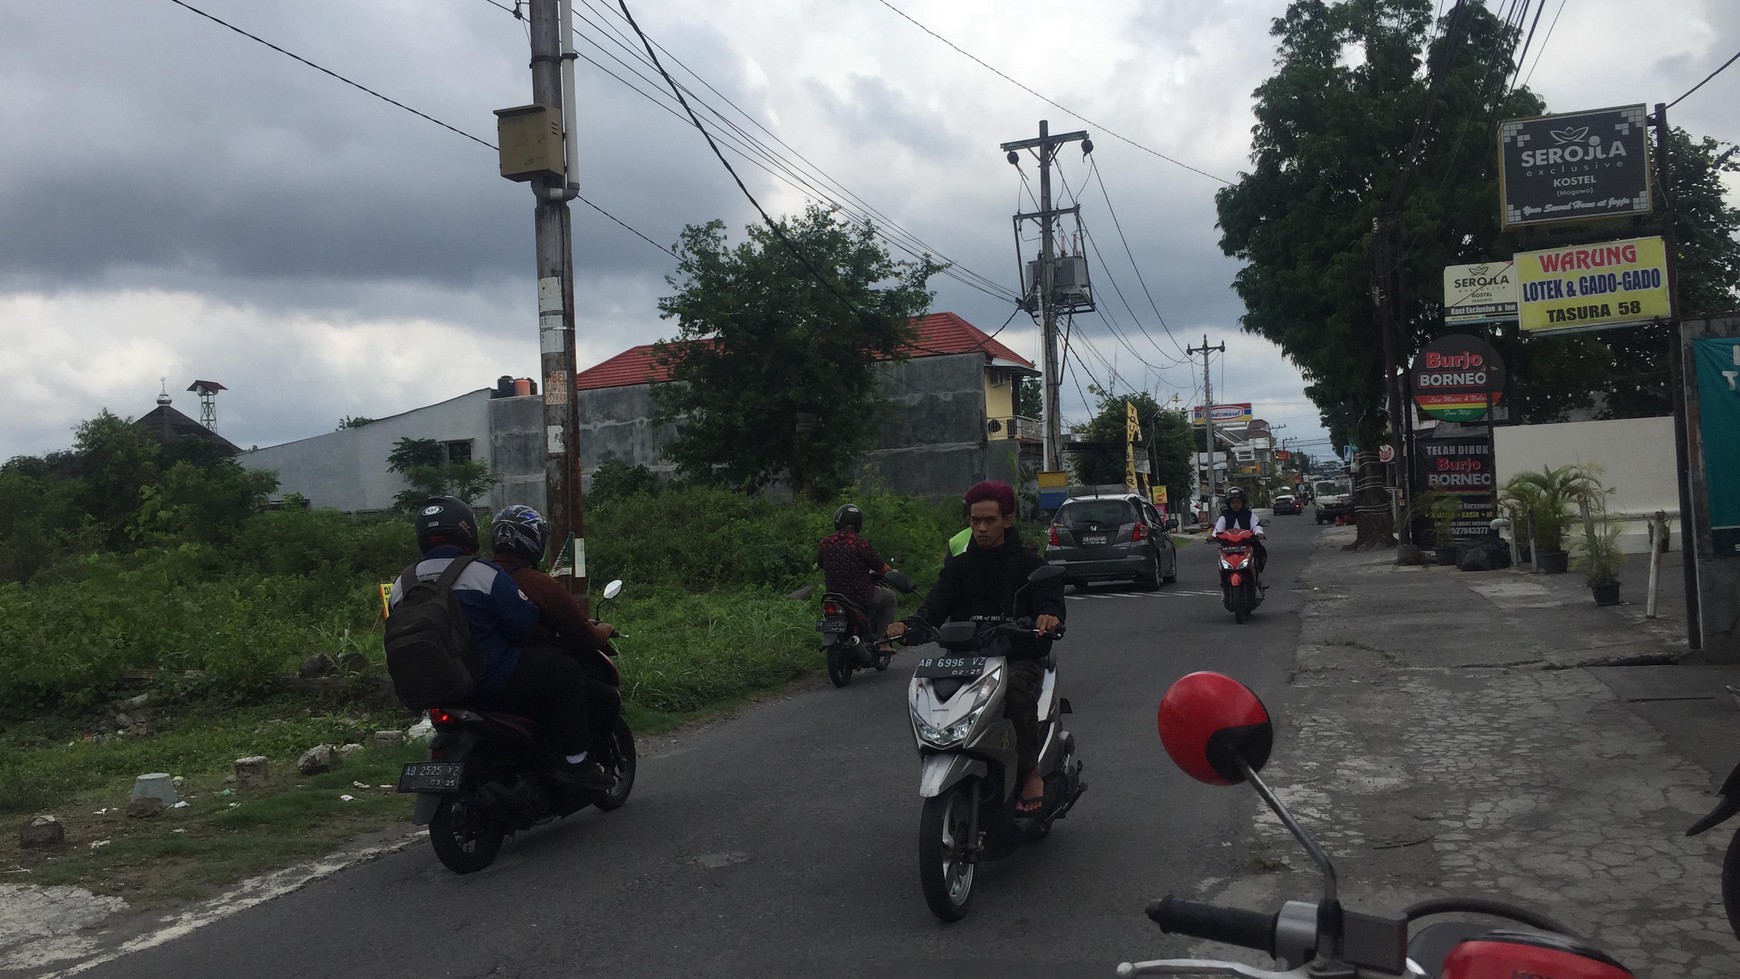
[(178, 201)]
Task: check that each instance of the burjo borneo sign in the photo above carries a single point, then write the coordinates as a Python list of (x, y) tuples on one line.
[(1456, 377), (1575, 166)]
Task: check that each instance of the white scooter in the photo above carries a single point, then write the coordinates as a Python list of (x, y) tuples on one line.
[(969, 780)]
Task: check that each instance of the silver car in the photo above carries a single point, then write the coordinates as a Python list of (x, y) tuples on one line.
[(1111, 538)]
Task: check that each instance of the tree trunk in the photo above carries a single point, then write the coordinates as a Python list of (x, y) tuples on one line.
[(1371, 505)]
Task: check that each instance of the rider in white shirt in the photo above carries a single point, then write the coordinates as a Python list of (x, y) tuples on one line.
[(1237, 514)]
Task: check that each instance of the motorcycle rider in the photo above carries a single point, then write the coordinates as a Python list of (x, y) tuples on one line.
[(850, 567), (534, 681), (519, 535), (983, 580), (1237, 514)]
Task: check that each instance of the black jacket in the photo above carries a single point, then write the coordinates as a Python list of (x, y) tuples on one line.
[(981, 582)]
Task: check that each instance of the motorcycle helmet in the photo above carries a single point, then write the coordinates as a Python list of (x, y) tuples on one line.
[(520, 530), (446, 521), (848, 515), (1236, 494)]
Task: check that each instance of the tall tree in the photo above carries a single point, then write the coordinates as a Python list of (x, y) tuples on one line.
[(1370, 114), (1167, 441), (772, 375)]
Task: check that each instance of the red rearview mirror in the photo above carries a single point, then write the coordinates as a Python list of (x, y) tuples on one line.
[(1208, 721)]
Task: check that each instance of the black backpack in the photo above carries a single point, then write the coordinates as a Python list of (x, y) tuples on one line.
[(430, 655)]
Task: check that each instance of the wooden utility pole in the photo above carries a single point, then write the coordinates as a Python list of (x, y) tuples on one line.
[(1677, 385), (1045, 283)]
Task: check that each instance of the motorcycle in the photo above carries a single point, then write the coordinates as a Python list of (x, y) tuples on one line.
[(1725, 809), (1239, 590), (846, 638), (1217, 731), (969, 780), (489, 775)]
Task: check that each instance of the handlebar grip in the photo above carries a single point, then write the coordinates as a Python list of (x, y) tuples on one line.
[(1229, 926), (1056, 632)]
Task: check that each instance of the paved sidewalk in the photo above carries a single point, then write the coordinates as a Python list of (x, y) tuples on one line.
[(1496, 733)]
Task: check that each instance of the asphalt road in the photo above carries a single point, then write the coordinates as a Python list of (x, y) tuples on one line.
[(783, 842)]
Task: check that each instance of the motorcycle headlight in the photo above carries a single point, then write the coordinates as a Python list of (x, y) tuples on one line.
[(947, 736)]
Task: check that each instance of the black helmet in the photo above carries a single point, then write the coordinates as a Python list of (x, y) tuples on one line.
[(1236, 494), (446, 521), (848, 515), (520, 530)]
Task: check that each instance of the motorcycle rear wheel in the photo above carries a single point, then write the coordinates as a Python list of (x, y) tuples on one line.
[(839, 665), (465, 837), (945, 865), (622, 767)]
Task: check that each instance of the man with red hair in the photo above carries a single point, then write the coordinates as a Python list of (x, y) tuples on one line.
[(983, 580)]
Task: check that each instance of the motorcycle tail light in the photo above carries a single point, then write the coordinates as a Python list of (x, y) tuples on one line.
[(442, 717), (829, 608)]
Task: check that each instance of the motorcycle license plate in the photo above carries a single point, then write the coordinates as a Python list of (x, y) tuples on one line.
[(949, 666), (430, 776), (1095, 540), (831, 625)]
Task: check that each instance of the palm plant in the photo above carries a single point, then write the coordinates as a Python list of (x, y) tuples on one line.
[(1597, 550), (1551, 497)]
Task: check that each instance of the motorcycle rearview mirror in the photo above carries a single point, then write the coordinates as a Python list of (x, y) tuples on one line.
[(1217, 730), (1046, 573), (900, 581), (613, 589)]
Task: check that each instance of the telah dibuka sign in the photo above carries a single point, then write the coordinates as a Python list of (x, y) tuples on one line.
[(1575, 166)]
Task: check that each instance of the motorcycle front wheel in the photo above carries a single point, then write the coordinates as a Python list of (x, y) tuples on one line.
[(839, 664), (622, 767), (465, 836), (945, 850)]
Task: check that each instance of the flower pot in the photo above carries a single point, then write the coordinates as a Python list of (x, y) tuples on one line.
[(1606, 592), (1447, 555), (1553, 562)]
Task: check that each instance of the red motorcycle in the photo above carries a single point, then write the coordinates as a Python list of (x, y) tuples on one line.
[(1239, 588), (1218, 732)]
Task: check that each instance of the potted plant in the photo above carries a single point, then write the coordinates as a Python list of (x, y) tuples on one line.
[(1550, 498), (1444, 509), (1597, 548)]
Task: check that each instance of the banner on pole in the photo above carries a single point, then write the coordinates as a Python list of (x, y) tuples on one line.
[(1718, 365)]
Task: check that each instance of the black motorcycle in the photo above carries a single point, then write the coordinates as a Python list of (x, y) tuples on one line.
[(1725, 810), (846, 639), (489, 775)]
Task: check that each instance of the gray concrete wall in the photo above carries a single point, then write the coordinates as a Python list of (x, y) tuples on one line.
[(1718, 579), (1636, 456), (347, 469), (616, 423)]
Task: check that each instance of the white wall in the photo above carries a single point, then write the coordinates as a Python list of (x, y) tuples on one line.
[(1636, 456)]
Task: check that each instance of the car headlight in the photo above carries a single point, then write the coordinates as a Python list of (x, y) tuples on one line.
[(981, 692)]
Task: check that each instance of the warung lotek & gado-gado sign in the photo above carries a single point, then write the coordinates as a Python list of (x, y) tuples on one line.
[(1576, 166), (1593, 287)]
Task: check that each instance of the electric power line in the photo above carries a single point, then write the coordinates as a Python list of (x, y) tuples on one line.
[(1711, 75)]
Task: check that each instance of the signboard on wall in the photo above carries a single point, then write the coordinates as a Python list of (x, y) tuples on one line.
[(1575, 166), (1593, 287), (1484, 293), (1718, 363), (1460, 466), (1234, 414)]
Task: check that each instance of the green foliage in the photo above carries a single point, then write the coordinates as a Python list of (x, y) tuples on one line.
[(1167, 438), (615, 479), (1030, 399), (772, 375), (427, 471), (1550, 498), (1596, 550), (353, 421), (1329, 156)]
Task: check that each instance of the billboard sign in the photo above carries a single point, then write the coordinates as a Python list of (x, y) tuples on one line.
[(1484, 293), (1461, 467), (1718, 363), (1456, 377), (1592, 287), (1235, 414), (1575, 166)]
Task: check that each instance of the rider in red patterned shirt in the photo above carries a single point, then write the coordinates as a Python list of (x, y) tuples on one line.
[(850, 567)]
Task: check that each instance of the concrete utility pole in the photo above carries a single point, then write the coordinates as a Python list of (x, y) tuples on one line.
[(553, 87), (1046, 148), (1208, 415), (1677, 384)]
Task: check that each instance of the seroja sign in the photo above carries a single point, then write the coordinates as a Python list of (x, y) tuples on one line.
[(1456, 377)]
